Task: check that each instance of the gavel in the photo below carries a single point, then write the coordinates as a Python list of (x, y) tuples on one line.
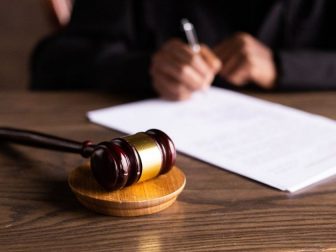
[(115, 164)]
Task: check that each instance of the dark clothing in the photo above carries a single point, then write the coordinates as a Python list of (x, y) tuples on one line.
[(108, 44)]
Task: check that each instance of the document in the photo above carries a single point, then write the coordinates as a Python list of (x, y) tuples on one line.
[(276, 145)]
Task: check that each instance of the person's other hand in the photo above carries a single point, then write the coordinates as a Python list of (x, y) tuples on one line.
[(177, 71), (245, 59)]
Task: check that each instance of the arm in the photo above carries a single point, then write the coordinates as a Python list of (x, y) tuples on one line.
[(302, 69), (246, 60), (99, 48)]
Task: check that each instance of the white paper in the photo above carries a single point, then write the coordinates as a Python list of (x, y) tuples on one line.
[(282, 147)]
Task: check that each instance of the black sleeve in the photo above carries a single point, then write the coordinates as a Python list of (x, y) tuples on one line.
[(307, 57), (100, 48), (311, 69)]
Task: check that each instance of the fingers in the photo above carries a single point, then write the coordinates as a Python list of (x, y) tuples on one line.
[(180, 72), (183, 54), (245, 59), (169, 88), (177, 71), (237, 71), (226, 49), (212, 60)]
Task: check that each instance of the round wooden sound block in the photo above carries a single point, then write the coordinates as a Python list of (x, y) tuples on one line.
[(139, 199)]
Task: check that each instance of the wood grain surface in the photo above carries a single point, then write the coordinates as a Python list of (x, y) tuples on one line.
[(217, 211)]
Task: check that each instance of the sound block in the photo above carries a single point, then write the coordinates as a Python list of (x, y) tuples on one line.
[(143, 198)]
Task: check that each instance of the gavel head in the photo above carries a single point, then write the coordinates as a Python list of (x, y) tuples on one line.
[(130, 159)]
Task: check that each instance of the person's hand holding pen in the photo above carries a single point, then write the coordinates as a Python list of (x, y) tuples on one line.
[(179, 69)]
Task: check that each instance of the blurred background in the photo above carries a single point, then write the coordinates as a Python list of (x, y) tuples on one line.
[(22, 24)]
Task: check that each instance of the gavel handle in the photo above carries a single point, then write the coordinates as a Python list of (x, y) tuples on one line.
[(40, 140)]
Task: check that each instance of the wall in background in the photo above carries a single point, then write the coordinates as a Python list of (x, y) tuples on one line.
[(22, 24)]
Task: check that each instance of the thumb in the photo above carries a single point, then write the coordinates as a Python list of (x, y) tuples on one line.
[(210, 58)]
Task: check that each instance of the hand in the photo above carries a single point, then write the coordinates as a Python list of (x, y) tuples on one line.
[(177, 71), (245, 59)]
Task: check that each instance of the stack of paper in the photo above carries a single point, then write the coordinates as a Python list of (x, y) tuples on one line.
[(273, 144)]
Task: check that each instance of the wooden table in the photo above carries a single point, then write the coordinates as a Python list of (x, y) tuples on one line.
[(217, 211)]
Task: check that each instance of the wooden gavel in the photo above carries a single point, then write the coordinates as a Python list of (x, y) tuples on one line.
[(115, 164)]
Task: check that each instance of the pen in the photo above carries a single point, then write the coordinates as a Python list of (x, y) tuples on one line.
[(191, 36), (190, 33)]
